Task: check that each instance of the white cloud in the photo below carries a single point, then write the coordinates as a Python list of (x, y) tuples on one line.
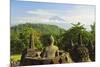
[(80, 13), (85, 15), (40, 12)]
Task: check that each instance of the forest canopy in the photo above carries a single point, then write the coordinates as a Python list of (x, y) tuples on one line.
[(20, 36)]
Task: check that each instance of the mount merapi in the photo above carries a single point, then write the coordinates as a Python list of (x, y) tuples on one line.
[(54, 20), (43, 28)]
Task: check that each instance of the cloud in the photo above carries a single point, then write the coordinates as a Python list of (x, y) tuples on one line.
[(40, 12), (46, 15), (85, 15), (78, 13)]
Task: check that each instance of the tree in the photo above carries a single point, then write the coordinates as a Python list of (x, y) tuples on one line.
[(71, 35), (93, 32)]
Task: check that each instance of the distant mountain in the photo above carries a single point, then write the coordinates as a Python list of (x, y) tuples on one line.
[(54, 20)]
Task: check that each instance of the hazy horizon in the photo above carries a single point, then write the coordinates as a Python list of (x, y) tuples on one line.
[(61, 15)]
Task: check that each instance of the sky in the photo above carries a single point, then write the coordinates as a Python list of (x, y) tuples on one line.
[(59, 14)]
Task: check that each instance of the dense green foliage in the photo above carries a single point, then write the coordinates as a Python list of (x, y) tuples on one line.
[(72, 35), (20, 36)]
